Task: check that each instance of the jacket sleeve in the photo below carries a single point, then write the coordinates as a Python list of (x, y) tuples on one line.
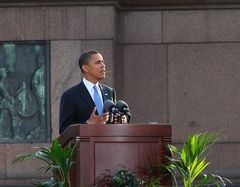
[(66, 112)]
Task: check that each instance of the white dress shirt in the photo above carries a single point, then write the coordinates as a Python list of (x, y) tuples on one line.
[(90, 88)]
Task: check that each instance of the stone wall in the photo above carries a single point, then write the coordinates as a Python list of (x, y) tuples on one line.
[(182, 65), (177, 66)]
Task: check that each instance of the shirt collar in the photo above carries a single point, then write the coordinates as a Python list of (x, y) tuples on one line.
[(89, 84)]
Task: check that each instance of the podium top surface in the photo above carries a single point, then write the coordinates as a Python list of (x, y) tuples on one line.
[(116, 130)]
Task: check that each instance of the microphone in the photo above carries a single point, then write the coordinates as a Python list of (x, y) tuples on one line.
[(110, 106), (123, 107)]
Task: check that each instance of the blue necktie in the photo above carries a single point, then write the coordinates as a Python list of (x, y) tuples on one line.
[(97, 101)]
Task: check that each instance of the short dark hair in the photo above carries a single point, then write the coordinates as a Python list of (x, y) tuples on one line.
[(85, 56)]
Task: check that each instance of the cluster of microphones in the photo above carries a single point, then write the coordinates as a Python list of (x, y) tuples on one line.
[(116, 110)]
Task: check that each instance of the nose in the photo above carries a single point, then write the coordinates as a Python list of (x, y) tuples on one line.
[(103, 65)]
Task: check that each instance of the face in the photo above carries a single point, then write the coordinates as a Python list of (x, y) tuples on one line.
[(94, 70)]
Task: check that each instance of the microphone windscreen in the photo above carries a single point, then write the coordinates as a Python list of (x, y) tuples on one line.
[(121, 105), (108, 105)]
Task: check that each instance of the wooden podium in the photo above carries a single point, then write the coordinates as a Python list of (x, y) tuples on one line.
[(109, 147)]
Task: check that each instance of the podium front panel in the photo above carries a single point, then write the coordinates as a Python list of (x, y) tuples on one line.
[(104, 149)]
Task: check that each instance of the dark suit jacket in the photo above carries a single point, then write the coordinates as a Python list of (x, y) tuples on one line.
[(76, 104)]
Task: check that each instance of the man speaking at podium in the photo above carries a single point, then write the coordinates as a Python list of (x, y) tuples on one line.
[(83, 103)]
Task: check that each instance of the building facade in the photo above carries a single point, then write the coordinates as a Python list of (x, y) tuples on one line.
[(172, 62)]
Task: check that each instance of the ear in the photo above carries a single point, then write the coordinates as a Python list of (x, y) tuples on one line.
[(85, 68)]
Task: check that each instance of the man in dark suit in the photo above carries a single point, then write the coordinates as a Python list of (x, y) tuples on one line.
[(78, 104)]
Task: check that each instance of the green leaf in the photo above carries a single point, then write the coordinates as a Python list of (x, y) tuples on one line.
[(56, 159), (189, 162)]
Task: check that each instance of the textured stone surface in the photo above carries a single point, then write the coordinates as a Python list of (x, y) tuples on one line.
[(130, 3), (16, 183), (26, 169), (100, 22), (185, 26), (30, 23), (140, 27), (145, 80), (201, 26), (40, 23), (65, 73), (2, 161), (175, 3), (8, 25), (203, 89), (65, 22), (106, 48), (227, 165), (224, 25)]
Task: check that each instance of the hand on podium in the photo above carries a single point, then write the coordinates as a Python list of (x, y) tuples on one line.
[(95, 119)]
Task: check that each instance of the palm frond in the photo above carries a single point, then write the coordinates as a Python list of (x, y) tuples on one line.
[(56, 159), (189, 162)]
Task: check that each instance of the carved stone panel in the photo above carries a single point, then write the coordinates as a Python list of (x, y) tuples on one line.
[(23, 92)]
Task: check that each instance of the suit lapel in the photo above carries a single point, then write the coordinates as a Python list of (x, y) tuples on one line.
[(86, 95), (105, 95)]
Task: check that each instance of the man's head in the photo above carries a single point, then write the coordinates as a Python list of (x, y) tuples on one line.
[(92, 66), (85, 56)]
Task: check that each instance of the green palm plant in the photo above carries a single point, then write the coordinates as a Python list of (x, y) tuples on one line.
[(190, 162), (57, 159)]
